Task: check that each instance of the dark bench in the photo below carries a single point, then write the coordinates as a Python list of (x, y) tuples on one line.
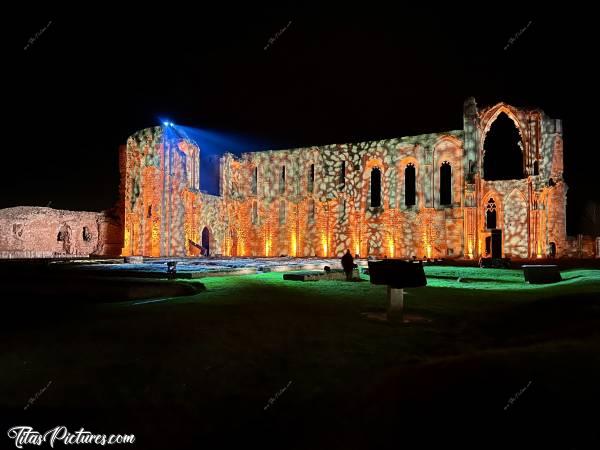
[(541, 273)]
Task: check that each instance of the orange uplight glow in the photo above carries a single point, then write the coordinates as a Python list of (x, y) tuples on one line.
[(294, 244), (391, 247), (126, 243), (155, 240), (324, 244), (315, 201)]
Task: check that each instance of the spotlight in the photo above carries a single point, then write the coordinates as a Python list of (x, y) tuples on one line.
[(166, 124)]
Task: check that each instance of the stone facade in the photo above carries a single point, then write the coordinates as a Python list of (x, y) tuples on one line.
[(35, 232), (424, 196), (164, 211)]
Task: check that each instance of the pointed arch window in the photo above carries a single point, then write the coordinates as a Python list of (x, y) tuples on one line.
[(490, 214), (410, 185), (375, 187), (445, 184)]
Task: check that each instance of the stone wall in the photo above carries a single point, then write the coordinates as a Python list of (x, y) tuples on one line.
[(36, 232), (319, 200), (324, 205), (161, 196), (582, 246)]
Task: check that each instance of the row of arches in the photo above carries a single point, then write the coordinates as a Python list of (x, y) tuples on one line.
[(376, 182), (503, 158), (410, 185)]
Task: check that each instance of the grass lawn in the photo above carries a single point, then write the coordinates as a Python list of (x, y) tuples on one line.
[(199, 371)]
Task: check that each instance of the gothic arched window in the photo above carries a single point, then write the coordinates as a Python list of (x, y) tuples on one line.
[(445, 183), (410, 185), (375, 187), (490, 214)]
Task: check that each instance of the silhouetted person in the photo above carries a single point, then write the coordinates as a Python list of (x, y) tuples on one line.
[(172, 269), (348, 265), (551, 250)]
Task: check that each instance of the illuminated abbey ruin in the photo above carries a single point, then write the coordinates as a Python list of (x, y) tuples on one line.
[(432, 195)]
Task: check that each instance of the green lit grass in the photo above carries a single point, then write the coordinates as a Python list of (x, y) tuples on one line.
[(210, 362)]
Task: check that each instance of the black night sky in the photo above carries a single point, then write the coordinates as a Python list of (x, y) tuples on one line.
[(90, 78)]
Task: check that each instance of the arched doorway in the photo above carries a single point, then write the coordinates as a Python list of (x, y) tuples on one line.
[(205, 241)]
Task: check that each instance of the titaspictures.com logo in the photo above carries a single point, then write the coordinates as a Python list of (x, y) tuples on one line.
[(24, 435)]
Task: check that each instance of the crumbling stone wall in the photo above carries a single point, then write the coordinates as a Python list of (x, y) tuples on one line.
[(319, 200), (324, 216), (161, 198), (36, 232), (582, 246), (533, 209)]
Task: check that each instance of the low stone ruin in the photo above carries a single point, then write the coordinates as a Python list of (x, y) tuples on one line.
[(38, 232)]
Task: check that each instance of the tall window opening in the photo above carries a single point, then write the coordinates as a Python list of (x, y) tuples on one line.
[(445, 184), (254, 212), (282, 181), (490, 214), (282, 212), (342, 179), (503, 154), (410, 185), (311, 179), (342, 209), (255, 181), (375, 187)]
